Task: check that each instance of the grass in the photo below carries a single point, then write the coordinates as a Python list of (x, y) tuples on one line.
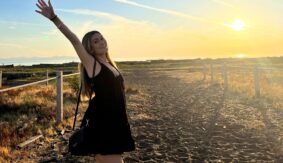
[(241, 85), (29, 111)]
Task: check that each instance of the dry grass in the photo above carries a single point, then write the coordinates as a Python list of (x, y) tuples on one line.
[(241, 84), (30, 111), (4, 152)]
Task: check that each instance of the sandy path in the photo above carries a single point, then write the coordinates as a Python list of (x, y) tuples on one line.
[(177, 117), (191, 121)]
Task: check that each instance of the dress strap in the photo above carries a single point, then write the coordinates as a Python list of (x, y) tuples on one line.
[(94, 65), (107, 66), (115, 68), (92, 79)]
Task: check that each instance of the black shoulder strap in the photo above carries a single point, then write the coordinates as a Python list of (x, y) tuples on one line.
[(91, 83), (79, 95), (78, 101)]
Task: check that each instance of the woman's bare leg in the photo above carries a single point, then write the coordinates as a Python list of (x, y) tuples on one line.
[(108, 158)]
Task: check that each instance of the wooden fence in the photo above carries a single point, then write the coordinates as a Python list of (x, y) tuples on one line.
[(59, 83), (224, 71), (59, 91)]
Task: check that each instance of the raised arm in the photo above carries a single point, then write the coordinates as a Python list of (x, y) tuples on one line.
[(48, 12)]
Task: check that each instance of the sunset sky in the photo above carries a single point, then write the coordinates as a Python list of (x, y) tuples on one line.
[(147, 29)]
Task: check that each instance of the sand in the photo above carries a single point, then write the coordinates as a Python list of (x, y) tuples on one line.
[(175, 116)]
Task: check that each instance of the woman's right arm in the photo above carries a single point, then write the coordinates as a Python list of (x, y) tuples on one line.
[(82, 53), (48, 12)]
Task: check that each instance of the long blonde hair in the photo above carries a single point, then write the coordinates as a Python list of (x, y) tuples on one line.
[(84, 79)]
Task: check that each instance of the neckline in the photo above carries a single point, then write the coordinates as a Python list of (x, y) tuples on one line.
[(119, 74)]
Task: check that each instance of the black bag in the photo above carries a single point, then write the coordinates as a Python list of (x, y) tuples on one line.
[(77, 141)]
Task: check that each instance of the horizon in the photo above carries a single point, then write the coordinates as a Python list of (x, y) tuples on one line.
[(27, 61), (139, 30)]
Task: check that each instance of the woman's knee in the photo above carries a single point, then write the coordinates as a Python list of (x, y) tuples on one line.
[(108, 158)]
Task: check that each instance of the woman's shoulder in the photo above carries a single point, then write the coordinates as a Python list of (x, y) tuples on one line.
[(95, 69)]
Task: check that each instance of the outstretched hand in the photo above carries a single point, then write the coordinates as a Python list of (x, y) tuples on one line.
[(45, 10)]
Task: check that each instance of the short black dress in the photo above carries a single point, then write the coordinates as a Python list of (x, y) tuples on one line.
[(106, 120)]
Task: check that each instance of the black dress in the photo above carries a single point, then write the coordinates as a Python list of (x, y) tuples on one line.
[(106, 120)]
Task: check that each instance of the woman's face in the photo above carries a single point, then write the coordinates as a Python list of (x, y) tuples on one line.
[(99, 44)]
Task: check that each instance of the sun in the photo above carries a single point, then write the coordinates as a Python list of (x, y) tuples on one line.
[(237, 25), (241, 55)]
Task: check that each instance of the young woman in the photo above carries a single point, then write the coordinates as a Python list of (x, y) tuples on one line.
[(106, 115)]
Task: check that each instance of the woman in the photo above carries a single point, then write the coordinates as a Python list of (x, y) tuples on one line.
[(106, 116)]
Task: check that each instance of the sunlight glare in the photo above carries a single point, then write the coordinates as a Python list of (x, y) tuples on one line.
[(237, 25), (240, 55)]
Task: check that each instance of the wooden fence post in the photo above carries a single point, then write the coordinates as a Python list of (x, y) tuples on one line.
[(204, 72), (47, 77), (0, 79), (211, 71), (224, 71), (256, 82), (59, 98)]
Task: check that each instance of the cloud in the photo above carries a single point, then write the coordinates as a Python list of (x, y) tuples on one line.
[(13, 24), (131, 38), (117, 23), (99, 14), (21, 48), (166, 11), (52, 32), (11, 45), (136, 39), (12, 27), (223, 3)]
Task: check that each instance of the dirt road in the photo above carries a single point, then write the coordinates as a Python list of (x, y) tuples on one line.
[(176, 116)]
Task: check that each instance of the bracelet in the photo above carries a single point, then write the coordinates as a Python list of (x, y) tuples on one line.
[(53, 18)]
